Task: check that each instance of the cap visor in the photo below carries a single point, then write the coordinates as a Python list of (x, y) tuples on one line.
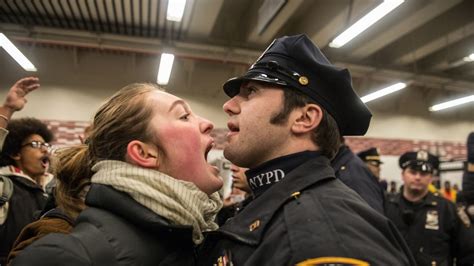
[(232, 86)]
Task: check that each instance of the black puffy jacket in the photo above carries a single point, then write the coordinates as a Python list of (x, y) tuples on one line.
[(114, 230)]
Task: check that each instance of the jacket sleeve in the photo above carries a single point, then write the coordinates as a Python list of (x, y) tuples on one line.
[(3, 136), (54, 249)]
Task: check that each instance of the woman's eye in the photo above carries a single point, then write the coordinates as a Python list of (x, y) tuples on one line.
[(184, 117)]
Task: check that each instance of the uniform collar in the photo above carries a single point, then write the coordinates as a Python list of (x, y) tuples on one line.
[(264, 176), (429, 200), (344, 155), (249, 225)]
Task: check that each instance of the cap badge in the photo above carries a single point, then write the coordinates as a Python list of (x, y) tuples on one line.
[(422, 156), (303, 80)]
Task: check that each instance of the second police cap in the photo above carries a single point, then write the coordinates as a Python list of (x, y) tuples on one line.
[(294, 62), (419, 160), (370, 155)]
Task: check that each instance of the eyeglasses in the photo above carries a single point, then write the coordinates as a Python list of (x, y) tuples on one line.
[(39, 145)]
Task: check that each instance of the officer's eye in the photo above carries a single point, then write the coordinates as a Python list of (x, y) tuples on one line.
[(250, 90)]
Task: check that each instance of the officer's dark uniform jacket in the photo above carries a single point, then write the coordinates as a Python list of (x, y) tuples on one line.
[(353, 172), (308, 214), (432, 229), (114, 230)]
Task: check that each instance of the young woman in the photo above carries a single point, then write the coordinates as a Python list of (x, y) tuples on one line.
[(152, 191)]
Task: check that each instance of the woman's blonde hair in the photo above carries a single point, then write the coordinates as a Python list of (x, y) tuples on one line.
[(122, 118)]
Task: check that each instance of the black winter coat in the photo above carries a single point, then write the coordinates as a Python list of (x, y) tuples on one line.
[(114, 230), (25, 205), (307, 215), (353, 172)]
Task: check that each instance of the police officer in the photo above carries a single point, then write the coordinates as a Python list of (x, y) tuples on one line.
[(286, 115), (465, 205), (371, 158), (354, 173), (429, 223)]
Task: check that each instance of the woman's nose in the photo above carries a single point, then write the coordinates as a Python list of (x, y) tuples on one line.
[(206, 125)]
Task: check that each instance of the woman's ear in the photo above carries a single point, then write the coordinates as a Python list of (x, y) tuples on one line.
[(142, 154), (16, 157), (307, 118)]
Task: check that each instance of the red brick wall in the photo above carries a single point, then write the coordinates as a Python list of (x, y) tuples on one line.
[(67, 133)]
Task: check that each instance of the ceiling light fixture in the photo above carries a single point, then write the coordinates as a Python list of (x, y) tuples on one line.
[(11, 49), (365, 22), (380, 93), (164, 71), (175, 10), (469, 58), (452, 103)]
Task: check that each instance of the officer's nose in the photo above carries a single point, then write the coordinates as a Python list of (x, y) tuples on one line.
[(232, 107)]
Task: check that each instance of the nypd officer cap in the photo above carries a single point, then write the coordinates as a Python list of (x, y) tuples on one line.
[(419, 160), (294, 62), (371, 155)]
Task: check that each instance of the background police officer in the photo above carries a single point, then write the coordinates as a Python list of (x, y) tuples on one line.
[(371, 158), (355, 174), (428, 222)]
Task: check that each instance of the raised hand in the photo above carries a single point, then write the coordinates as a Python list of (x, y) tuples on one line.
[(15, 100)]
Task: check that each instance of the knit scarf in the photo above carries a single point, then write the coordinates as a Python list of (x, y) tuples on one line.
[(181, 202)]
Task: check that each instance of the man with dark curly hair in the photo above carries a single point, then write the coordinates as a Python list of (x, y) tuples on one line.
[(24, 161)]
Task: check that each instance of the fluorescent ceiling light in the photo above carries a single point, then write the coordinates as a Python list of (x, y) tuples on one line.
[(11, 49), (452, 103), (469, 58), (362, 24), (175, 10), (383, 92), (164, 71)]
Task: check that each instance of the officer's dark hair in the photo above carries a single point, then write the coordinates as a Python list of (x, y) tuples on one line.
[(18, 131), (326, 135)]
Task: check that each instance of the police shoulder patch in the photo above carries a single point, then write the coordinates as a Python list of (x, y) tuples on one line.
[(333, 261)]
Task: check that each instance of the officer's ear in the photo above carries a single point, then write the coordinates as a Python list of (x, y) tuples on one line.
[(142, 154), (307, 118)]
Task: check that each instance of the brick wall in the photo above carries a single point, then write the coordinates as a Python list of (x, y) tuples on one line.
[(68, 132)]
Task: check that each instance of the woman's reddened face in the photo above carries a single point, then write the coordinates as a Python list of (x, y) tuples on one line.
[(185, 141)]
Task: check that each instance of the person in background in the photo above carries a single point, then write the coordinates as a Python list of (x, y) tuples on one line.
[(143, 206), (456, 188), (447, 192), (429, 223), (350, 169), (371, 158), (24, 162), (393, 188), (240, 196), (67, 202), (465, 205), (286, 116)]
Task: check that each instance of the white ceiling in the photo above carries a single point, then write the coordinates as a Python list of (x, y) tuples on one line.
[(421, 42)]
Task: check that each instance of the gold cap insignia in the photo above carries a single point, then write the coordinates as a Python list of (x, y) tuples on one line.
[(303, 80)]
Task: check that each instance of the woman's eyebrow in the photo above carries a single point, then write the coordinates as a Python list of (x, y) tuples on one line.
[(176, 103)]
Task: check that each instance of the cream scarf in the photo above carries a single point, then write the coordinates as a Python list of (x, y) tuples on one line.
[(181, 202)]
